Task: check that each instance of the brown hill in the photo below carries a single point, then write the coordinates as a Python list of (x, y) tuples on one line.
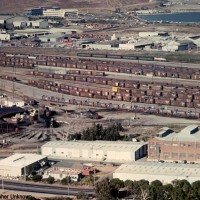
[(16, 6)]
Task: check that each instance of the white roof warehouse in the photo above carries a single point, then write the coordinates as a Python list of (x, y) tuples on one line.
[(19, 164), (107, 151), (165, 172)]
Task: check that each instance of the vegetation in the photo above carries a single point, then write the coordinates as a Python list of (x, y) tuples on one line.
[(98, 132), (37, 178), (50, 180), (141, 190), (66, 181), (81, 195)]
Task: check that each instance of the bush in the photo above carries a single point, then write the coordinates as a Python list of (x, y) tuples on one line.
[(65, 181), (37, 178), (50, 180)]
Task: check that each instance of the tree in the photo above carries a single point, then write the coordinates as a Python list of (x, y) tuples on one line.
[(156, 190), (66, 180), (37, 178), (103, 190), (117, 183), (50, 180), (196, 189), (167, 191)]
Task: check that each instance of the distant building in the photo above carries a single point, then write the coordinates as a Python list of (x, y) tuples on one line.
[(151, 171), (51, 12), (56, 37), (179, 46), (152, 34), (95, 150), (38, 24), (19, 165), (72, 169), (4, 36), (170, 146), (13, 102), (18, 22), (97, 46), (62, 172), (3, 19)]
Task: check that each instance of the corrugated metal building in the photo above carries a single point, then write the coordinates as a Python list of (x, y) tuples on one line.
[(19, 164), (165, 172), (95, 150)]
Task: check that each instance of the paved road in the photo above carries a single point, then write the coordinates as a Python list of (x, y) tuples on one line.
[(44, 188)]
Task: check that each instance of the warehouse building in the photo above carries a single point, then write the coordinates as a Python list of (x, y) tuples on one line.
[(60, 12), (95, 150), (151, 171), (55, 37), (152, 34), (19, 165), (168, 145), (18, 22), (182, 45), (43, 24)]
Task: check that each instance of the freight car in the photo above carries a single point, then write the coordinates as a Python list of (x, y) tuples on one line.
[(129, 57)]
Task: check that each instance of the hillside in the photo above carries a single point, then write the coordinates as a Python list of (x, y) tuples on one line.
[(16, 6)]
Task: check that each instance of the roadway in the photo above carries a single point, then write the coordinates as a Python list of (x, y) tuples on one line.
[(44, 188)]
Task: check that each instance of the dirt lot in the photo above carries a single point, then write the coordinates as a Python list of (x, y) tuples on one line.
[(142, 127)]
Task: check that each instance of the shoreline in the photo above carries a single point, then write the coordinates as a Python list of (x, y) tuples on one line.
[(176, 18)]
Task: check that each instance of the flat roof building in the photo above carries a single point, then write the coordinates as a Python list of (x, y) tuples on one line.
[(171, 146), (106, 151), (19, 165), (165, 172)]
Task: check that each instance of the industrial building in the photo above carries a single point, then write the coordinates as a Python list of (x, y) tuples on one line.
[(60, 12), (19, 165), (151, 171), (95, 150), (18, 22), (171, 146), (56, 37), (43, 24), (4, 36), (152, 34), (183, 45), (51, 12)]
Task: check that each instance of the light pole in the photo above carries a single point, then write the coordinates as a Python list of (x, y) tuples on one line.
[(2, 185)]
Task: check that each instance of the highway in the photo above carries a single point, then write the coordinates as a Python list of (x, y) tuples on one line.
[(44, 188)]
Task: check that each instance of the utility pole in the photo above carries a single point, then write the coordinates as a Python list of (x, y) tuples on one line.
[(2, 185), (68, 183)]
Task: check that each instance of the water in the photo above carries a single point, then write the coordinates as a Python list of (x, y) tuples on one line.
[(173, 17)]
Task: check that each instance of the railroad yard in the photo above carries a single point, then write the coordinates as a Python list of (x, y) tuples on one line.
[(149, 88), (143, 97)]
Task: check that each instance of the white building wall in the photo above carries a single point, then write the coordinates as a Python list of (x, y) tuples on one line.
[(11, 103), (54, 13), (147, 34), (127, 46), (4, 36), (7, 171), (99, 46), (89, 152)]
